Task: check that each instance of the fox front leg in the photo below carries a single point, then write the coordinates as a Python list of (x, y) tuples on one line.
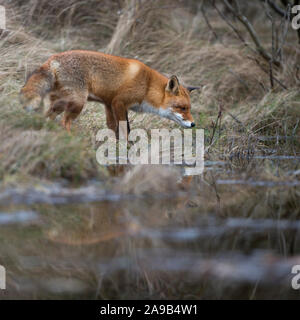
[(120, 114)]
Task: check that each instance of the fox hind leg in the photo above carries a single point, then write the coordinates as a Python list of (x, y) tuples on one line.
[(56, 108), (68, 101), (73, 109), (72, 112), (58, 102)]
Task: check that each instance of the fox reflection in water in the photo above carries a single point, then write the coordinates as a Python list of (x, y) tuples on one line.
[(108, 220)]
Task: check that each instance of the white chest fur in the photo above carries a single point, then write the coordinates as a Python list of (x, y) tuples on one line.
[(164, 113), (148, 108)]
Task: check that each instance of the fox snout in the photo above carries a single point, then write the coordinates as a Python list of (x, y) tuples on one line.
[(29, 109), (187, 124), (180, 119), (30, 104)]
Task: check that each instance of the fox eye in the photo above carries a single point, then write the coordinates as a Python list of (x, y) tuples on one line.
[(181, 107)]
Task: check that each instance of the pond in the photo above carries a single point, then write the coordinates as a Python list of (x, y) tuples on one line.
[(149, 232)]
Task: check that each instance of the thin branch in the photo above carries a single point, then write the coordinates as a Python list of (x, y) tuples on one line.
[(275, 7), (270, 16), (208, 23), (267, 72), (297, 2), (243, 82), (232, 27), (271, 74), (282, 12), (298, 72), (236, 119), (215, 126), (243, 19)]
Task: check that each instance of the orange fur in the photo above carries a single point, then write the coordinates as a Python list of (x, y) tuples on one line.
[(73, 77)]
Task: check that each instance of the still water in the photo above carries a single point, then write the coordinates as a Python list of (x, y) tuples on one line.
[(149, 232)]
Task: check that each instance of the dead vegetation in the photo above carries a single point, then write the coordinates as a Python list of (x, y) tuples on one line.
[(168, 36), (171, 37), (130, 246)]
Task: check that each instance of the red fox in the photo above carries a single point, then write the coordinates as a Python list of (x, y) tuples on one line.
[(73, 77)]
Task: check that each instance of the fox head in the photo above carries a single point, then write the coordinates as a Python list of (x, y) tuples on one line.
[(29, 100), (177, 103)]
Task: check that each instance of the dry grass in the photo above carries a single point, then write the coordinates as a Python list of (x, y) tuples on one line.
[(46, 155), (154, 180), (168, 36), (123, 249), (172, 37)]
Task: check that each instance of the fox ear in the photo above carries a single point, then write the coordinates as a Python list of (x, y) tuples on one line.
[(193, 88), (173, 85)]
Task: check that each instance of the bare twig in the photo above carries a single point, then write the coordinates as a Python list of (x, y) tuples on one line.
[(282, 12), (208, 23), (266, 71), (271, 74), (243, 82), (236, 119), (243, 19), (232, 27), (215, 125), (270, 16), (275, 7), (298, 72)]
